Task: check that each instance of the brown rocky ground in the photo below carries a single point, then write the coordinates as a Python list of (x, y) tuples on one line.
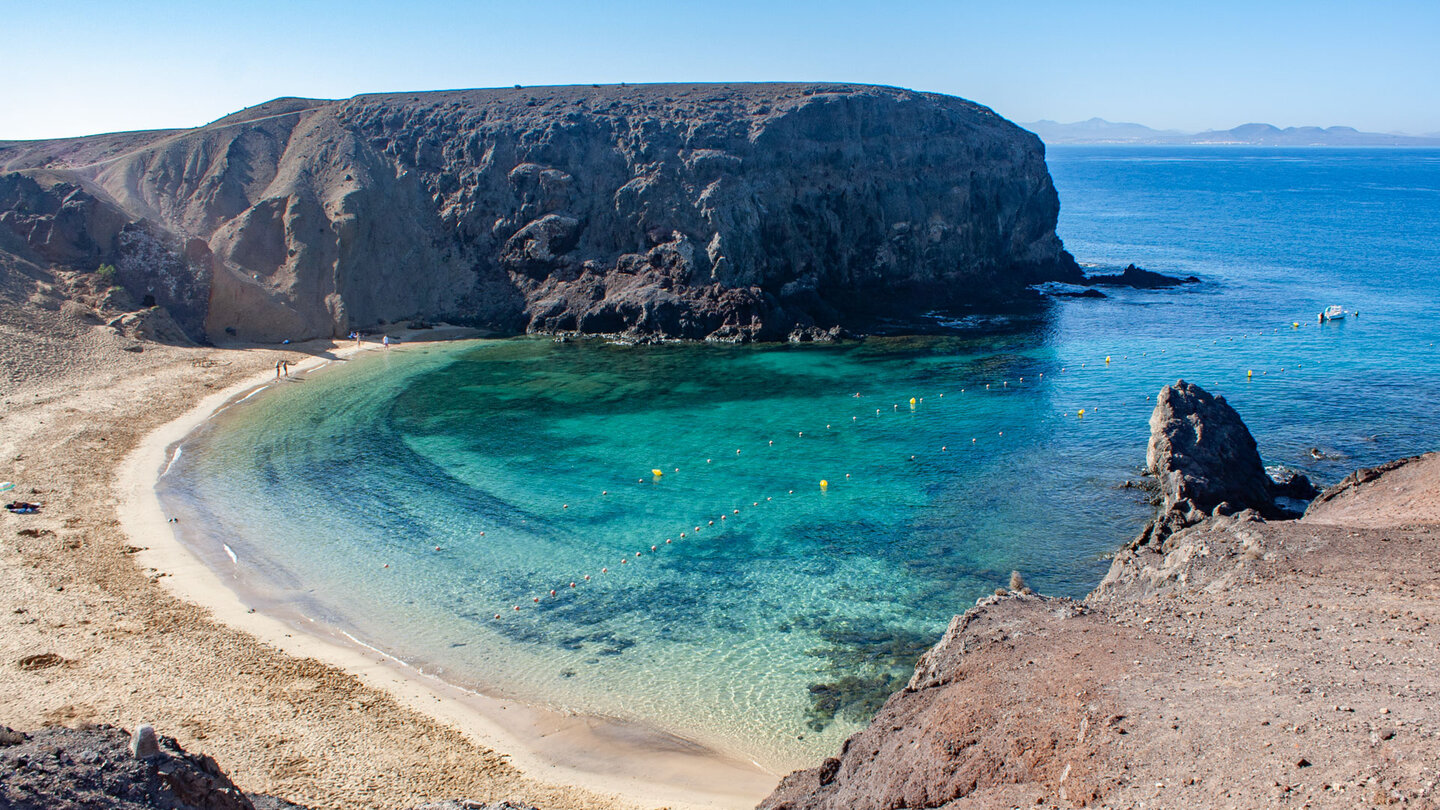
[(1236, 663)]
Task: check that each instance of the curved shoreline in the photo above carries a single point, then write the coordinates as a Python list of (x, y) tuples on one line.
[(598, 754)]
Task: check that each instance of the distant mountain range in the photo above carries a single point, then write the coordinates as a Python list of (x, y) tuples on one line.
[(1100, 131)]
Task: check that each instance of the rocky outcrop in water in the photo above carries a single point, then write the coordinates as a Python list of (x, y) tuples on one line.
[(690, 211), (1202, 453), (1140, 279)]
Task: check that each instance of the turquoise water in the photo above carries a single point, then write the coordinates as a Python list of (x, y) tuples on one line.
[(416, 494)]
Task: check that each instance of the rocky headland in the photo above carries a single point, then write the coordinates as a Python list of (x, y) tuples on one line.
[(1231, 657), (726, 212)]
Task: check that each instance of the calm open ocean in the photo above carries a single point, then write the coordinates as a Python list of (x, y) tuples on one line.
[(775, 631)]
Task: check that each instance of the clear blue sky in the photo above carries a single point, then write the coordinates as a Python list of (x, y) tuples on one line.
[(75, 67)]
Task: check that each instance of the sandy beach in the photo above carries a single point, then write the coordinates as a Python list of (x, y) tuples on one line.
[(107, 618)]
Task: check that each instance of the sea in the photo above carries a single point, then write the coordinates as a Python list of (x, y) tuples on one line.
[(750, 546)]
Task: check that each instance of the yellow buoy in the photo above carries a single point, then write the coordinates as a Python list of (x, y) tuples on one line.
[(1107, 359), (1249, 373), (658, 472), (1081, 414), (1295, 325), (824, 483), (912, 402)]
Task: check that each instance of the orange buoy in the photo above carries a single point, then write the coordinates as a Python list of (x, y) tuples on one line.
[(537, 599), (572, 584), (734, 511), (682, 535), (565, 506), (552, 592), (604, 570), (722, 517), (517, 607), (654, 548), (604, 492), (667, 541), (587, 577), (711, 523), (637, 554), (497, 615)]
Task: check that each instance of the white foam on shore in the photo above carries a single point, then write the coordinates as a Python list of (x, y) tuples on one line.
[(229, 551), (173, 459), (252, 393), (374, 649)]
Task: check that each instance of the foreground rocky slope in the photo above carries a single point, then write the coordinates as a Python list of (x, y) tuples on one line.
[(1225, 661), (721, 211), (98, 766)]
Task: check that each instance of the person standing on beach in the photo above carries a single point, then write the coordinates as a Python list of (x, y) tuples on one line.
[(278, 364), (385, 341)]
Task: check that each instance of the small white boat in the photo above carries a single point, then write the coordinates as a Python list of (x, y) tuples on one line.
[(1332, 313)]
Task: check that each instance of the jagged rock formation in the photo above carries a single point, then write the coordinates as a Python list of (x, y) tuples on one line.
[(61, 768), (695, 211), (1203, 455)]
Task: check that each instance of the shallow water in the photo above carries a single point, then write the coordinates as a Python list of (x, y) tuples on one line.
[(773, 632)]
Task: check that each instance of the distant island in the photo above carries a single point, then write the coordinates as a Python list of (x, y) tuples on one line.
[(1098, 131)]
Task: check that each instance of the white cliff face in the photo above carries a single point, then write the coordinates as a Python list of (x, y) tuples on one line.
[(695, 211)]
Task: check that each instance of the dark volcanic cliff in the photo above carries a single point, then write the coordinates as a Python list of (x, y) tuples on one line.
[(721, 211)]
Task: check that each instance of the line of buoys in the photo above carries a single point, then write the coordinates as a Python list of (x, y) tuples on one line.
[(913, 402)]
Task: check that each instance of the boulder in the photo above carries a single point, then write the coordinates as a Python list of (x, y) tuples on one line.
[(102, 766), (1204, 459)]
